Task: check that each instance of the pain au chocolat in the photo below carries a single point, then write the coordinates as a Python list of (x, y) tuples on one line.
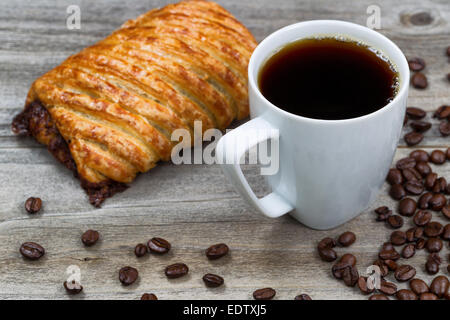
[(108, 112)]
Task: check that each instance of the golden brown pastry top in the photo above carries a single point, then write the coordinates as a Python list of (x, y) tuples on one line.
[(117, 102)]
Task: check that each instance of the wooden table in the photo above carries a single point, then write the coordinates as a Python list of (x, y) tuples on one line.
[(192, 206)]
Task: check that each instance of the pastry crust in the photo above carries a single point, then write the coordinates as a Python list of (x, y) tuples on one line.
[(108, 112)]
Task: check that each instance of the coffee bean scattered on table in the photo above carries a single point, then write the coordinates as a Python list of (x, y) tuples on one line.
[(408, 251), (176, 270), (149, 296), (405, 294), (72, 287), (128, 275), (383, 213), (442, 112), (33, 205), (407, 207), (140, 250), (159, 245), (439, 286), (416, 64), (418, 286), (419, 81), (420, 126), (412, 138), (395, 221), (415, 113), (325, 250), (302, 296), (388, 288), (433, 263), (264, 294), (32, 250), (212, 280), (405, 273), (434, 245), (444, 128), (90, 237), (347, 239), (398, 238), (438, 157), (363, 287), (217, 251), (428, 296)]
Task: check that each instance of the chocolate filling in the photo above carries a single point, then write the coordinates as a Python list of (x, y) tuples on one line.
[(36, 121)]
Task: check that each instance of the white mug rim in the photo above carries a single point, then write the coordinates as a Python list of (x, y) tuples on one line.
[(401, 64)]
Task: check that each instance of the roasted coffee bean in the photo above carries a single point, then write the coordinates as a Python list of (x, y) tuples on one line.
[(415, 113), (158, 245), (90, 237), (32, 250), (394, 177), (387, 288), (431, 267), (212, 280), (439, 286), (362, 285), (438, 157), (442, 112), (404, 273), (423, 168), (444, 128), (128, 275), (72, 287), (325, 250), (264, 294), (434, 245), (413, 234), (391, 254), (405, 163), (176, 270), (420, 126), (216, 251), (140, 250), (347, 260), (421, 218), (405, 294), (384, 269), (149, 296), (428, 296), (387, 246), (419, 80), (347, 239), (416, 64), (424, 200), (419, 155), (418, 286), (33, 205), (378, 296), (391, 264), (446, 211), (397, 192), (411, 174), (420, 243), (383, 213), (398, 238), (350, 276), (412, 138), (395, 221), (414, 187), (440, 185), (433, 229), (407, 207), (302, 297), (446, 233), (430, 180), (408, 251)]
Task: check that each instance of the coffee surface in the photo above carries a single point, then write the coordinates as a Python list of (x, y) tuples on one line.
[(328, 78)]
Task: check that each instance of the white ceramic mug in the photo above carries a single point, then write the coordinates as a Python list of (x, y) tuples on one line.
[(329, 170)]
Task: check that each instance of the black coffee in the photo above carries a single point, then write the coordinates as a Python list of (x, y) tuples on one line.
[(328, 78)]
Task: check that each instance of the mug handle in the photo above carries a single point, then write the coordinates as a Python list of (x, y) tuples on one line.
[(232, 147)]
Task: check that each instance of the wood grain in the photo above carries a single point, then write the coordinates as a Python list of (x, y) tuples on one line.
[(192, 206)]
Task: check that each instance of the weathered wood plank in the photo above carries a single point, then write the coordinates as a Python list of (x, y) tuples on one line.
[(191, 206)]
